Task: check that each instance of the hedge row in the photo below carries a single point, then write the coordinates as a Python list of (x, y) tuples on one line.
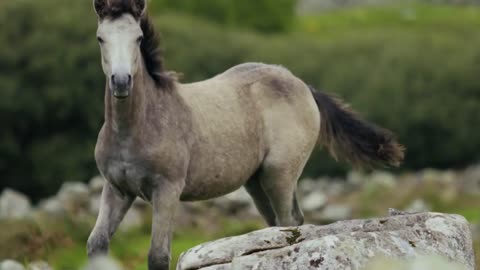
[(423, 85)]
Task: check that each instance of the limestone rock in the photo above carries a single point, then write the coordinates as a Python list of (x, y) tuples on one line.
[(14, 205), (471, 180), (418, 205), (102, 263), (419, 263), (342, 245), (74, 197), (234, 202), (133, 219), (316, 200), (382, 179), (94, 204), (333, 212), (52, 206), (40, 265), (11, 265), (96, 185)]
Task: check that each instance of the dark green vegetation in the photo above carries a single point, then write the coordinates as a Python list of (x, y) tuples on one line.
[(412, 69), (237, 13)]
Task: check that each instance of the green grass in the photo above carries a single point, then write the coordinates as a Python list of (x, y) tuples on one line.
[(408, 17), (62, 242)]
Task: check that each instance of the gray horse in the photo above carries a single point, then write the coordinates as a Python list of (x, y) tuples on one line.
[(254, 125)]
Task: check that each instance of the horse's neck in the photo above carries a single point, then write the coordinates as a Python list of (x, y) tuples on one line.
[(125, 117)]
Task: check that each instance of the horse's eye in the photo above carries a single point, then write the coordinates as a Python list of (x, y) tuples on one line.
[(140, 39), (100, 40)]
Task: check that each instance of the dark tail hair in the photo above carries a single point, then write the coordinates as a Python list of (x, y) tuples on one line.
[(343, 132)]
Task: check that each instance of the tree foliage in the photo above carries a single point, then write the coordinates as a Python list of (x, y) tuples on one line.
[(421, 84), (261, 15)]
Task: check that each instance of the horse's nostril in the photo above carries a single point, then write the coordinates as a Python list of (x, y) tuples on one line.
[(113, 79), (129, 79)]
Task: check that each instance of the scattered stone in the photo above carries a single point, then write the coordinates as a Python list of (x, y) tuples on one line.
[(436, 176), (419, 263), (418, 205), (471, 180), (234, 202), (140, 204), (333, 212), (356, 178), (334, 187), (94, 204), (314, 201), (40, 265), (11, 265), (14, 205), (96, 185), (133, 219), (52, 206), (382, 179), (342, 245), (103, 263), (74, 197), (307, 185)]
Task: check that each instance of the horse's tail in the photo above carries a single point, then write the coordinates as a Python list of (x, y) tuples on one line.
[(346, 134)]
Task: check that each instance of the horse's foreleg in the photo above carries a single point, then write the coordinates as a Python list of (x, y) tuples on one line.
[(113, 208), (165, 199)]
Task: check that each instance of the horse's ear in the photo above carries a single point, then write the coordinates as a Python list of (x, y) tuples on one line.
[(100, 7), (139, 8)]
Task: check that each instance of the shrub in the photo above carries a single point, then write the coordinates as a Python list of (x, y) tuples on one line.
[(261, 15), (421, 84)]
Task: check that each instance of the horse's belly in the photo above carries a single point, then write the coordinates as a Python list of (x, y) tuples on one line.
[(216, 176)]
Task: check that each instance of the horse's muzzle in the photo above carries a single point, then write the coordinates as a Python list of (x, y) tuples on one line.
[(121, 85)]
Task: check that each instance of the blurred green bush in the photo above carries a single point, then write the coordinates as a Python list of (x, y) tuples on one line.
[(261, 15), (422, 84)]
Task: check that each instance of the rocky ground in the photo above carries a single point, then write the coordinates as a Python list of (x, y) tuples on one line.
[(349, 244), (323, 200)]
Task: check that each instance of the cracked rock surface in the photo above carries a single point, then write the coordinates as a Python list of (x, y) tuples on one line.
[(342, 245)]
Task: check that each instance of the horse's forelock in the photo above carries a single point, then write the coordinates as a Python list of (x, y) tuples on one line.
[(116, 8)]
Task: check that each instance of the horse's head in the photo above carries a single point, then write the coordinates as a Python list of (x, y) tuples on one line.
[(120, 36)]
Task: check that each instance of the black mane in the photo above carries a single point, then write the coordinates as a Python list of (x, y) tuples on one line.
[(153, 55)]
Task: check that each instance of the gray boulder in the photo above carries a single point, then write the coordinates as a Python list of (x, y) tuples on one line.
[(343, 245), (418, 205), (316, 200), (14, 205), (74, 197), (51, 206), (11, 265), (133, 219), (418, 263), (333, 212), (96, 185), (102, 263), (94, 204), (382, 179), (234, 202), (39, 265)]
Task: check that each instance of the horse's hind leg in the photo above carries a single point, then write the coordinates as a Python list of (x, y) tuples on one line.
[(279, 184), (255, 189), (297, 211)]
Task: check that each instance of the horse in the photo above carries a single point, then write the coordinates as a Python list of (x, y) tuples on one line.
[(255, 125)]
